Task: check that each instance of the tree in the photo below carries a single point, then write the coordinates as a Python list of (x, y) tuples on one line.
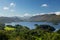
[(47, 28), (58, 31), (3, 35), (2, 25)]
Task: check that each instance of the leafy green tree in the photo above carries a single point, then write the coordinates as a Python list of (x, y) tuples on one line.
[(3, 35), (47, 28)]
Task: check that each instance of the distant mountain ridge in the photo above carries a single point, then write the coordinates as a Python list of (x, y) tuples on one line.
[(37, 18), (9, 19), (46, 17)]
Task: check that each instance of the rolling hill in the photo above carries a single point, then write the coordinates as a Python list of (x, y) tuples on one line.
[(9, 19), (46, 17), (37, 18)]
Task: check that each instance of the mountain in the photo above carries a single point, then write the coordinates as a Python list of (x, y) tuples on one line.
[(46, 17), (13, 19), (9, 19), (38, 18)]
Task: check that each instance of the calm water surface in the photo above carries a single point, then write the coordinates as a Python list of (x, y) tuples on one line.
[(31, 24)]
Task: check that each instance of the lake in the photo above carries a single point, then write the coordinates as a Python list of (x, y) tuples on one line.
[(31, 24)]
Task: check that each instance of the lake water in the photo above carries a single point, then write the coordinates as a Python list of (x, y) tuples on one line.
[(31, 24)]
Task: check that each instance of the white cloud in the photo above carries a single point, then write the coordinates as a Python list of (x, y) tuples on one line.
[(10, 8), (27, 14), (5, 8), (12, 4), (35, 14), (44, 5), (42, 13), (38, 14), (57, 13)]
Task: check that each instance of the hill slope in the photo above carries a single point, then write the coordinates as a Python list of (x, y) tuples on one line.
[(9, 19), (46, 17)]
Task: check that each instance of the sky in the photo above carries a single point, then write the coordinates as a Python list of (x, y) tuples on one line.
[(22, 8)]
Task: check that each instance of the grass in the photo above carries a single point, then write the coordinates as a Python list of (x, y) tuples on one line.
[(9, 28)]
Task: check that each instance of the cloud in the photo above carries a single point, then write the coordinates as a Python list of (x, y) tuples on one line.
[(10, 8), (57, 13), (38, 14), (5, 8), (44, 5), (12, 4), (27, 14)]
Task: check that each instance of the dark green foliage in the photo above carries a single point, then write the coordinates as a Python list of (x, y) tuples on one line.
[(47, 28), (58, 31), (41, 32), (2, 25), (9, 26), (3, 36)]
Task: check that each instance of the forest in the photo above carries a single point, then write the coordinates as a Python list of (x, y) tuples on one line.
[(19, 32)]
